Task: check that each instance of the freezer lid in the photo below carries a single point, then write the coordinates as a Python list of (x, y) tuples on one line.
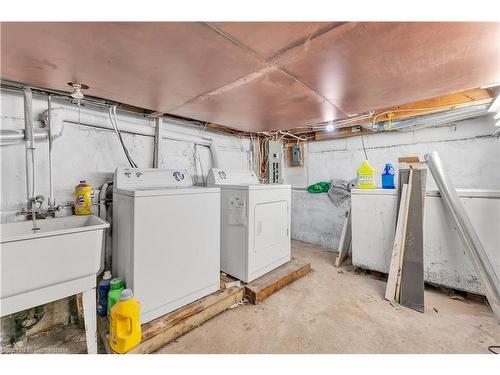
[(463, 193), (469, 193), (145, 178), (218, 176), (373, 191)]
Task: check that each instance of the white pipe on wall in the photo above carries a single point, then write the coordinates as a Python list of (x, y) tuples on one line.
[(98, 121), (61, 115), (30, 147)]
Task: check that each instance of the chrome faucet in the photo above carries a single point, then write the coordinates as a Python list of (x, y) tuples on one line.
[(34, 211)]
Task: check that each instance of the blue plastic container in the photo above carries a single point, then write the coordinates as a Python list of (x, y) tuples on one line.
[(102, 294), (388, 177)]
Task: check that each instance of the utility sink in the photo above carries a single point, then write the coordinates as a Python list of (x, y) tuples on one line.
[(56, 261)]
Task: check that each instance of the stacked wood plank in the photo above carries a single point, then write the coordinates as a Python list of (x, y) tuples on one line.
[(405, 283), (163, 330), (268, 284)]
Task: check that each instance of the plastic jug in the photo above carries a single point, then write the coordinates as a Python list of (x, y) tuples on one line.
[(83, 198), (388, 177), (102, 294), (366, 176), (125, 323), (116, 287)]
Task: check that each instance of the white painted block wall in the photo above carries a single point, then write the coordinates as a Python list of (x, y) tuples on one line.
[(92, 154), (470, 155)]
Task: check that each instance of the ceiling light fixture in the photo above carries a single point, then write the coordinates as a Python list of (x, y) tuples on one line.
[(77, 93), (329, 127)]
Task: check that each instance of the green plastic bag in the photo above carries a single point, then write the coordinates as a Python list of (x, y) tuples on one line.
[(319, 187)]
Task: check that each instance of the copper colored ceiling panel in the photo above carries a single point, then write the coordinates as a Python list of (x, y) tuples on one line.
[(367, 66), (315, 72), (267, 39), (156, 65), (267, 99)]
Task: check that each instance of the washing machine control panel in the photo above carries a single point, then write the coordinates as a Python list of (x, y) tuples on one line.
[(218, 176), (142, 178)]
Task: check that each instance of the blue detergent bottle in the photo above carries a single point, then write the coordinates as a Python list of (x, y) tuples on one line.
[(102, 294), (388, 177)]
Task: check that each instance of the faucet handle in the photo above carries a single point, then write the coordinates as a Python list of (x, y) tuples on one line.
[(23, 212)]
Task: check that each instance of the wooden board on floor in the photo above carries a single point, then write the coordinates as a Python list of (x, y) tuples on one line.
[(163, 330), (268, 284), (345, 240)]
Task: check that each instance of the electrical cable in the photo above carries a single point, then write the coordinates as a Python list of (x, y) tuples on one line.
[(364, 149), (114, 122), (490, 348)]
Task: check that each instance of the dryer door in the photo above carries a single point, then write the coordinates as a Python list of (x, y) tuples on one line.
[(271, 236)]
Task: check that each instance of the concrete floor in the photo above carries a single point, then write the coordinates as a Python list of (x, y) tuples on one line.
[(341, 311), (328, 311)]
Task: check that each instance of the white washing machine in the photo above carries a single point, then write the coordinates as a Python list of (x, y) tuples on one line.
[(255, 223), (166, 238)]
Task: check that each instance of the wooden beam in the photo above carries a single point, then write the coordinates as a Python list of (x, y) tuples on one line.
[(263, 287), (434, 105), (405, 111)]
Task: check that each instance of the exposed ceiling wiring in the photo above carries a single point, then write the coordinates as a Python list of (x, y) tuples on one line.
[(114, 122)]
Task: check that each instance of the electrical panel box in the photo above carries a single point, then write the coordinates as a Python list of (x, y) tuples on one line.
[(274, 157), (296, 159)]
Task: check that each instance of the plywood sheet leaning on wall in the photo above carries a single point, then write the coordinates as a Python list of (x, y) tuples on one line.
[(410, 289), (345, 240)]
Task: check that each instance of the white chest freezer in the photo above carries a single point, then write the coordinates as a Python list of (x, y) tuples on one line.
[(166, 238), (255, 223), (445, 261)]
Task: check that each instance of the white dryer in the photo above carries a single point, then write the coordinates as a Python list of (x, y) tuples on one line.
[(166, 238), (255, 223)]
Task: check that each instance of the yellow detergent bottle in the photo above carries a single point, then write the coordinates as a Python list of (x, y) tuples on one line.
[(83, 198), (366, 176), (125, 323)]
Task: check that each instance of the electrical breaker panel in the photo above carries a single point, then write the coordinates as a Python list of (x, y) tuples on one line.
[(296, 156), (274, 158)]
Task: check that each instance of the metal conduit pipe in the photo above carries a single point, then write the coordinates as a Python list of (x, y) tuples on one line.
[(51, 201), (69, 115), (30, 147), (470, 239), (59, 116), (11, 137)]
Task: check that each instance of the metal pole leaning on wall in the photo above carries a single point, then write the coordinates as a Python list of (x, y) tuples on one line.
[(470, 239)]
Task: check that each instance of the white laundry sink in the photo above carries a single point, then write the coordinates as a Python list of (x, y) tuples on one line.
[(58, 260)]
